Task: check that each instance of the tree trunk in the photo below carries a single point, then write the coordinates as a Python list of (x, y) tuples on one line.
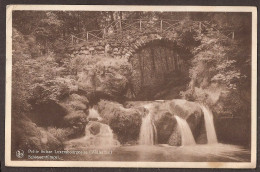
[(112, 20), (78, 23)]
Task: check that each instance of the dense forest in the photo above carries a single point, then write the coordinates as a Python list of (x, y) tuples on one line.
[(51, 91)]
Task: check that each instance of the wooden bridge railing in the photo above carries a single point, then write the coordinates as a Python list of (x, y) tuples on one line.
[(140, 25)]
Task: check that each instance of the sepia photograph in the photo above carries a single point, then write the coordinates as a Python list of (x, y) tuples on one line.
[(131, 86)]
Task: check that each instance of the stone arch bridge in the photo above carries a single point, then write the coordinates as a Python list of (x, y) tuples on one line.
[(123, 38), (160, 49)]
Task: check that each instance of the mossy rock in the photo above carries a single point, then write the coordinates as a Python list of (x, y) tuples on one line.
[(125, 123), (94, 128), (175, 138), (165, 124)]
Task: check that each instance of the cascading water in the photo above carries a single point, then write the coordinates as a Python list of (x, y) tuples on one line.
[(148, 133), (97, 134), (186, 134), (209, 124), (93, 114), (99, 139), (103, 137)]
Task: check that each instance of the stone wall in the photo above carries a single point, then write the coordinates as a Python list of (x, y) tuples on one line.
[(120, 45)]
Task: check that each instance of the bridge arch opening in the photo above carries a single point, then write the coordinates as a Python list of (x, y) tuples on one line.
[(160, 70)]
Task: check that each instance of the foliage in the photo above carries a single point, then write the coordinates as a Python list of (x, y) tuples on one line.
[(214, 59), (219, 70), (76, 117), (61, 134), (101, 76), (30, 73), (31, 136)]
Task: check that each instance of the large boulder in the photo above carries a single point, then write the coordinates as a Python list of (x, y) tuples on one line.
[(71, 112), (76, 120), (104, 77), (77, 107), (191, 112), (196, 123), (175, 138), (201, 138), (134, 104), (125, 123), (32, 137), (77, 116), (183, 108), (165, 123), (94, 127), (46, 101), (49, 141), (56, 89), (56, 104), (75, 102)]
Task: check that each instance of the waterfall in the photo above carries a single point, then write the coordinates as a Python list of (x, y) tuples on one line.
[(148, 133), (186, 134), (105, 136), (93, 115), (209, 124), (97, 134)]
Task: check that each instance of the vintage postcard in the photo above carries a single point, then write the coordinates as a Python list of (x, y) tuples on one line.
[(131, 86)]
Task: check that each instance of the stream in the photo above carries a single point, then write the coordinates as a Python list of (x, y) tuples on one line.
[(100, 144)]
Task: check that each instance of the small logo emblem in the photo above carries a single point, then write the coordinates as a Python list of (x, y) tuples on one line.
[(19, 153)]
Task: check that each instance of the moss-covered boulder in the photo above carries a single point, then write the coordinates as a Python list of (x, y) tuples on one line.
[(47, 101), (103, 77), (183, 108), (175, 138), (197, 126), (191, 112), (76, 120), (165, 123), (32, 137), (201, 138), (125, 123), (77, 116), (94, 127)]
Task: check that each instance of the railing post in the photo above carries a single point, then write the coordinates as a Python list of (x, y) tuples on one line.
[(140, 25), (161, 25)]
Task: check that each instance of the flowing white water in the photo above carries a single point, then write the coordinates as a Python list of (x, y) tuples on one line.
[(97, 134), (148, 133), (209, 124), (186, 134), (93, 114), (104, 137)]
